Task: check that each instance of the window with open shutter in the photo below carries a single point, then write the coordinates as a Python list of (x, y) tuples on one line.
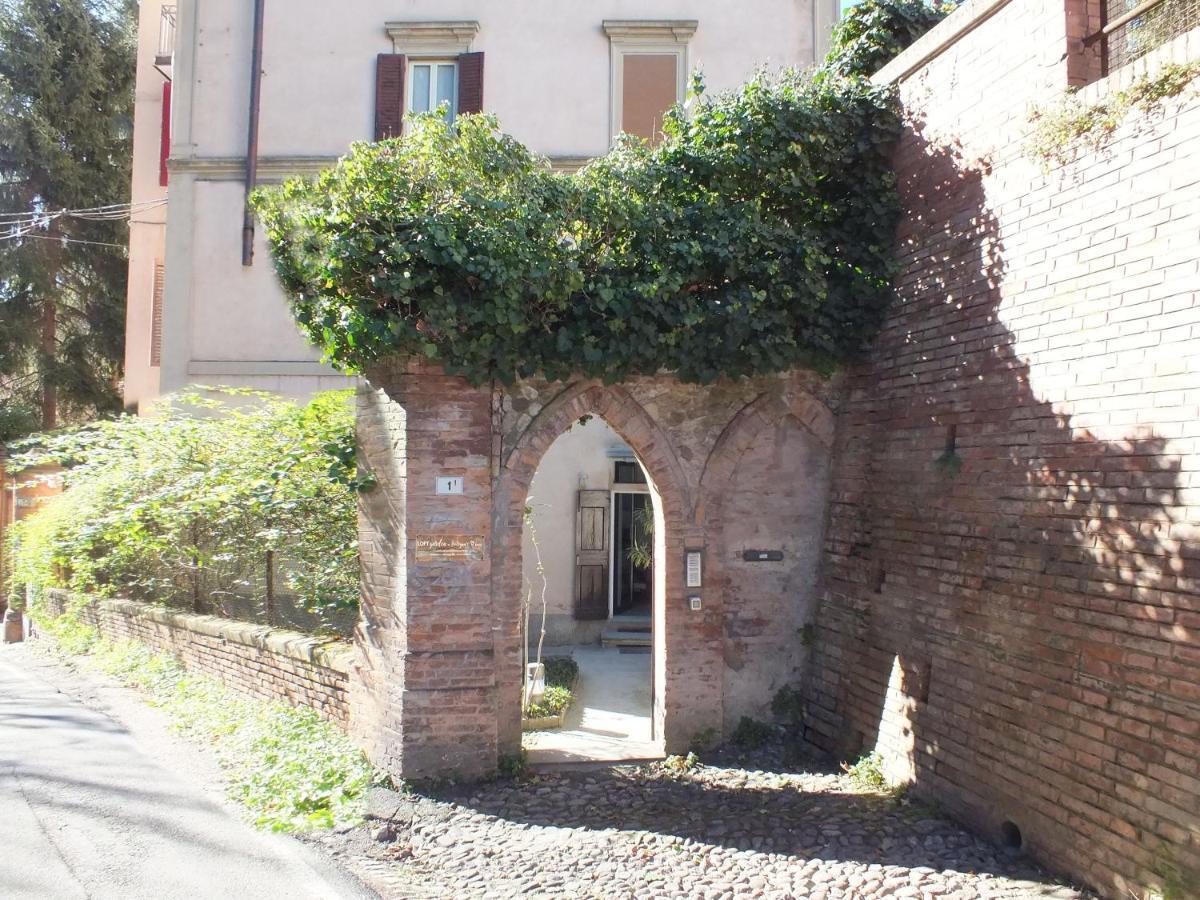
[(591, 555), (164, 135), (389, 95), (470, 83)]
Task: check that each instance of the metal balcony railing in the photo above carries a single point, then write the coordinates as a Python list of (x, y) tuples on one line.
[(1135, 27), (166, 36)]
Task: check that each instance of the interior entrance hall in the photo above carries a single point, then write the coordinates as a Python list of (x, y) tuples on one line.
[(589, 582)]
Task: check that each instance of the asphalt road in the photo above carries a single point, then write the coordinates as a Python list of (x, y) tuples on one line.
[(86, 811)]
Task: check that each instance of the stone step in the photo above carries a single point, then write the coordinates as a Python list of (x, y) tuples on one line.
[(625, 638)]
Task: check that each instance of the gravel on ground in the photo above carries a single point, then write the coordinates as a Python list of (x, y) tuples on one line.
[(734, 828)]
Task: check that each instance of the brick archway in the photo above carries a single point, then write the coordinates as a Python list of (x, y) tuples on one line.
[(436, 683), (654, 450)]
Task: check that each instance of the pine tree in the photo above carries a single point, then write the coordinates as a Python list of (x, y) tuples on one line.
[(66, 104)]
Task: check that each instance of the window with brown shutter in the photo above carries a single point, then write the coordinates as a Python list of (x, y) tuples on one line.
[(470, 83), (649, 87), (389, 95), (156, 305), (164, 137)]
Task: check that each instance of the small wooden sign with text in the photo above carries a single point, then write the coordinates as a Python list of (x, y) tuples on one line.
[(448, 547)]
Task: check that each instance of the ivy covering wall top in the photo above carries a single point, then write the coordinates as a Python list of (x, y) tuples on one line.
[(756, 237)]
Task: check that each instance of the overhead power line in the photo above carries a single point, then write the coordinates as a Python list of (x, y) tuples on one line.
[(67, 240), (110, 212), (22, 225)]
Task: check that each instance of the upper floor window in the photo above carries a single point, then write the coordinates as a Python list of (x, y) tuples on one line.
[(649, 87), (649, 68), (165, 51), (433, 83)]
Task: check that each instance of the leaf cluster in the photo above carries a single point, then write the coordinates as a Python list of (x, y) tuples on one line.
[(754, 238), (184, 505), (556, 699), (1071, 125), (872, 34), (867, 774)]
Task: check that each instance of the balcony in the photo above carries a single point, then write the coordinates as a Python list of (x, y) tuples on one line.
[(166, 35), (1135, 27)]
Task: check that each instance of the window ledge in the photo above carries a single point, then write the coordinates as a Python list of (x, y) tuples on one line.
[(432, 37), (677, 30)]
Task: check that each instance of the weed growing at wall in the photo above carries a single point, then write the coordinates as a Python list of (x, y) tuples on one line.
[(1178, 882), (867, 773), (750, 734), (756, 237), (291, 769), (182, 508), (71, 635), (1063, 130)]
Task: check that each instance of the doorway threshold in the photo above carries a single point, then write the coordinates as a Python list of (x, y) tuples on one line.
[(609, 721), (578, 746)]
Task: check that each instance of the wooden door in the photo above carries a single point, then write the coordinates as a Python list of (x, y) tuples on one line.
[(591, 555)]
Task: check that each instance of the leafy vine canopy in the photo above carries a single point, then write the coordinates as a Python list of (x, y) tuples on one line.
[(756, 237)]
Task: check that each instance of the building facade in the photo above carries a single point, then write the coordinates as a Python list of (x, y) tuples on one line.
[(562, 78)]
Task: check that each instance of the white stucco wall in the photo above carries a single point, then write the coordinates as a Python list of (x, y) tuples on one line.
[(147, 230), (577, 459), (546, 75), (546, 69)]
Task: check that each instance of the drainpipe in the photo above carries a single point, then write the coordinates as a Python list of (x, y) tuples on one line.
[(252, 134)]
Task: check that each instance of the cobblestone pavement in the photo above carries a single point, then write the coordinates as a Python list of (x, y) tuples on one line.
[(715, 832)]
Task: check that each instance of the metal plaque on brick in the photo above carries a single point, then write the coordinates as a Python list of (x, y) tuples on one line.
[(448, 547), (762, 555)]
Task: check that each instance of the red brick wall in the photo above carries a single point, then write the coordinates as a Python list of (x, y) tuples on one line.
[(266, 663), (736, 465), (1017, 629)]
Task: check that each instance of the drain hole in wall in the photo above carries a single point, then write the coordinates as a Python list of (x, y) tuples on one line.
[(1010, 836)]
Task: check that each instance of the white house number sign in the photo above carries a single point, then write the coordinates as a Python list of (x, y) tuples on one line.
[(449, 484)]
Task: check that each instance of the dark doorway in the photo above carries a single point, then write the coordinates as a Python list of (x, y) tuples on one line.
[(633, 552)]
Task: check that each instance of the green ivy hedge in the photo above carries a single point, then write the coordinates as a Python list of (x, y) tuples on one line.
[(183, 507), (756, 237)]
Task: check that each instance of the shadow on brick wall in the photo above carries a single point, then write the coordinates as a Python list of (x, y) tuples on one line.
[(1002, 586)]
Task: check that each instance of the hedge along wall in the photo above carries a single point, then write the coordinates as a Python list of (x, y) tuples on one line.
[(1012, 606), (264, 662)]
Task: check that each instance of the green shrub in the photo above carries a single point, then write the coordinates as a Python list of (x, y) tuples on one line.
[(867, 772), (750, 734), (554, 701), (756, 237), (871, 34), (183, 506), (702, 740), (1072, 125), (681, 765), (788, 705), (70, 634), (291, 769), (513, 765), (561, 671)]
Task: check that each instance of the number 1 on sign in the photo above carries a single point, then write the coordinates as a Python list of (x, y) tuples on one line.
[(449, 484)]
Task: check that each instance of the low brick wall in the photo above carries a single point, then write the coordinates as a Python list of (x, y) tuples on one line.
[(265, 662)]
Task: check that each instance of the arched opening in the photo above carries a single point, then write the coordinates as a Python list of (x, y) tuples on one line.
[(592, 544)]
